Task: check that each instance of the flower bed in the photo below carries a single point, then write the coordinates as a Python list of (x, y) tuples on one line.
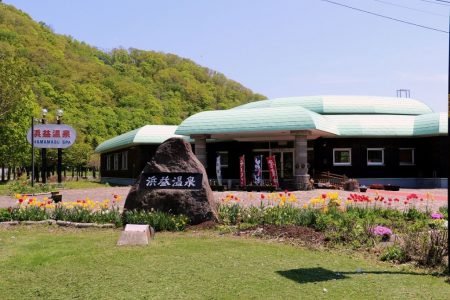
[(86, 213), (360, 221)]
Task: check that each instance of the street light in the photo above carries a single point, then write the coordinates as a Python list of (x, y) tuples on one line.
[(44, 152), (59, 113)]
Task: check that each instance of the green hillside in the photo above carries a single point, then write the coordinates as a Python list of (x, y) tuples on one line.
[(102, 93)]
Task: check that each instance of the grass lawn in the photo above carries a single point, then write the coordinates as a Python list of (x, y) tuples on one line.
[(58, 263), (3, 189), (82, 184)]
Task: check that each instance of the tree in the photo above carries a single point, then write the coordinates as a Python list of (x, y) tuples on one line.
[(13, 75)]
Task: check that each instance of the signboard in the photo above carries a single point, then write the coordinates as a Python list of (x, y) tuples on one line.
[(52, 136), (242, 171), (190, 181), (257, 172), (219, 170), (272, 165)]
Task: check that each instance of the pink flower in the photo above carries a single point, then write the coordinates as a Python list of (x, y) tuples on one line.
[(382, 231), (437, 216)]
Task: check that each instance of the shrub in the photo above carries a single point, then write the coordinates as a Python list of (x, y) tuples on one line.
[(5, 214), (22, 186), (394, 253), (428, 248), (160, 221), (230, 214), (30, 213)]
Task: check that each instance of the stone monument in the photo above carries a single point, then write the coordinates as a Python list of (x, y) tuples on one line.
[(174, 181)]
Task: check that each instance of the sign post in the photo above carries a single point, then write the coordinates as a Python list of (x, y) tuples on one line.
[(51, 136)]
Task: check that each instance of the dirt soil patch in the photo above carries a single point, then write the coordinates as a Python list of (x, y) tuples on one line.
[(202, 226), (292, 233)]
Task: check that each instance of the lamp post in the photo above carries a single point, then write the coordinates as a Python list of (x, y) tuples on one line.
[(32, 151), (44, 152), (59, 114)]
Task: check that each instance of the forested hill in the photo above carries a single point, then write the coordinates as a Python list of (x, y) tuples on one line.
[(107, 93)]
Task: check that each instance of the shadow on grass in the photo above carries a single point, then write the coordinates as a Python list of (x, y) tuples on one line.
[(310, 275)]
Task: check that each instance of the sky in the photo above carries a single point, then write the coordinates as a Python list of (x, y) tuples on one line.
[(277, 48)]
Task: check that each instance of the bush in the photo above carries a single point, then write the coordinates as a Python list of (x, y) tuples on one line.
[(30, 213), (394, 253), (24, 187), (428, 248), (85, 215), (5, 214), (160, 221)]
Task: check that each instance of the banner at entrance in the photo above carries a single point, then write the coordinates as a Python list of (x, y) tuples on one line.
[(242, 171), (218, 170), (257, 172), (272, 165)]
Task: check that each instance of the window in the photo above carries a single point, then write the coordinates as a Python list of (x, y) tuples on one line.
[(375, 156), (108, 162), (223, 158), (125, 160), (342, 156), (116, 161), (406, 156)]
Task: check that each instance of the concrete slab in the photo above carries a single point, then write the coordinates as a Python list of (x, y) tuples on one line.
[(135, 234)]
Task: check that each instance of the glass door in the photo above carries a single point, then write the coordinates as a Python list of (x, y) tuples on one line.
[(285, 163), (288, 165)]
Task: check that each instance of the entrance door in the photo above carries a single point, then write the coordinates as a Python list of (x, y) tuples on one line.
[(288, 164), (285, 163)]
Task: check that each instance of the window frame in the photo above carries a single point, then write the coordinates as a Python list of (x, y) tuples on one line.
[(375, 163), (342, 163), (108, 162), (124, 159), (116, 162), (413, 163)]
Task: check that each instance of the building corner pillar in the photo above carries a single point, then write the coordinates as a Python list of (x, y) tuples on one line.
[(302, 181), (200, 148)]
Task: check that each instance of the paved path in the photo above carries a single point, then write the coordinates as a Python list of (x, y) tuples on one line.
[(253, 198)]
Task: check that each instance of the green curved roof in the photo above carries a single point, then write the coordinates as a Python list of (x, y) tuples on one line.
[(431, 124), (149, 134), (346, 105), (390, 125), (254, 120)]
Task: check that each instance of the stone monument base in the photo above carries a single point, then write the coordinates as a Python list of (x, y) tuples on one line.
[(136, 235)]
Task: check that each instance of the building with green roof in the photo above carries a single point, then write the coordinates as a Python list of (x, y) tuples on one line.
[(386, 140)]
